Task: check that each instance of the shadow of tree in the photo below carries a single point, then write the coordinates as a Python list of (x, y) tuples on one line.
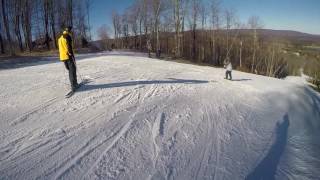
[(89, 87), (267, 168)]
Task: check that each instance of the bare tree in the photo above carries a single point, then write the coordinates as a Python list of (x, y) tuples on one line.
[(37, 25), (103, 35), (133, 17), (146, 20), (69, 14), (102, 32), (203, 16), (229, 16), (79, 21), (16, 19), (125, 29), (273, 63), (254, 23), (185, 7), (46, 11), (61, 13), (4, 5), (156, 9), (116, 21), (1, 42), (26, 23), (23, 19), (88, 5), (177, 11), (52, 14), (195, 8), (167, 29), (240, 54), (140, 4), (215, 25)]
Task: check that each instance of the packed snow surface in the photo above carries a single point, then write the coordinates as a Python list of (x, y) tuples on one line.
[(141, 118)]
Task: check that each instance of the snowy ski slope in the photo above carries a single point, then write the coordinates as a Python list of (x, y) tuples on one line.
[(141, 118)]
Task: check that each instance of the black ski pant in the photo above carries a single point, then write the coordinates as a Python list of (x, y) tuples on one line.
[(149, 53), (71, 67), (228, 73)]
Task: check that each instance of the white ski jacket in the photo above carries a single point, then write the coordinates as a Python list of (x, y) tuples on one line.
[(228, 66)]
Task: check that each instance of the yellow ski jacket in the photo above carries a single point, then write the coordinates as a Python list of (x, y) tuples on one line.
[(63, 48)]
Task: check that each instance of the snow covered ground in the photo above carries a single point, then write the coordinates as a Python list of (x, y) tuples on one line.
[(141, 118)]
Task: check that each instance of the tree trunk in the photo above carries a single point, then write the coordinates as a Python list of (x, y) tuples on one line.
[(240, 54), (176, 13), (182, 38), (195, 12), (16, 21), (70, 13), (1, 44), (135, 41), (253, 60), (254, 50), (26, 17), (157, 6), (52, 22), (140, 34), (272, 63), (46, 22), (88, 17), (6, 26), (218, 55), (213, 46), (18, 34), (158, 42), (194, 43)]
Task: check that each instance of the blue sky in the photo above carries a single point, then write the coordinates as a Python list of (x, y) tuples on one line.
[(299, 15)]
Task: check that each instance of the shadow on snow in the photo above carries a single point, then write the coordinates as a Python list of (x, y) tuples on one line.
[(89, 87), (241, 79), (266, 169)]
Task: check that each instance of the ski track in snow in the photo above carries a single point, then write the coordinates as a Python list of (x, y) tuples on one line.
[(141, 118), (117, 136), (25, 115)]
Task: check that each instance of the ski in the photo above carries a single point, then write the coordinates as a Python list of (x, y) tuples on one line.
[(72, 92)]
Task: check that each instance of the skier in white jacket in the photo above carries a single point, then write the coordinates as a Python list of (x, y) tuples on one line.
[(228, 67)]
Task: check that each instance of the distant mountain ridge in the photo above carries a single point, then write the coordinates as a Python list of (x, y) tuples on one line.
[(268, 34), (290, 35)]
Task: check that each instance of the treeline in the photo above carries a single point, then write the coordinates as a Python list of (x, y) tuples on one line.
[(29, 25), (312, 64), (201, 31)]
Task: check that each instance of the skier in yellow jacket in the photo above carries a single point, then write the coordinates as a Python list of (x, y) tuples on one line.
[(67, 56)]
